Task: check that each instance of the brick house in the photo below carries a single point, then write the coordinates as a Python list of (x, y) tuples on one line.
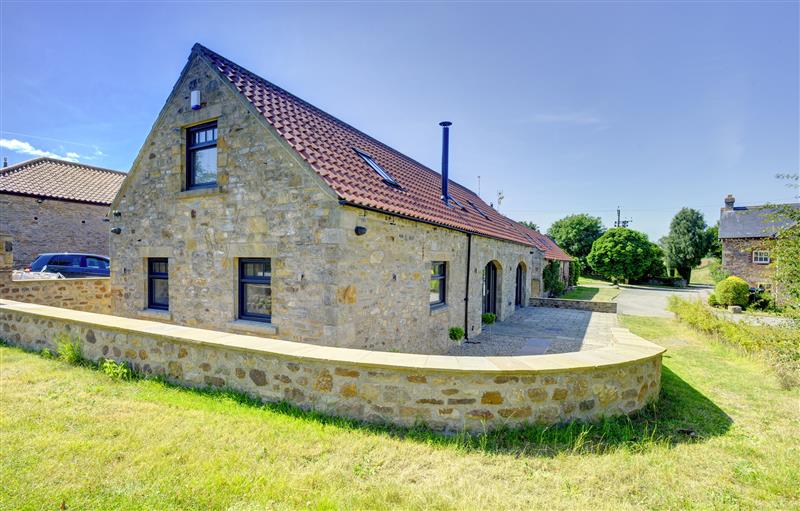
[(49, 205), (746, 233), (250, 210)]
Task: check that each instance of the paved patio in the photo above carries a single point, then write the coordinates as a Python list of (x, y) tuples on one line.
[(539, 331)]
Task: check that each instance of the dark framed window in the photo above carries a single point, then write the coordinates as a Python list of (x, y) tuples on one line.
[(201, 156), (438, 286), (255, 289), (158, 283)]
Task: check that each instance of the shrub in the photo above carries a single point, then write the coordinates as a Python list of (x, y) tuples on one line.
[(712, 300), (551, 275), (761, 300), (46, 353), (778, 344), (733, 291), (69, 349), (456, 333), (116, 370), (575, 270), (488, 318), (716, 271)]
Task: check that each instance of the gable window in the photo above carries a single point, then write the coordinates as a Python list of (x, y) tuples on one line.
[(377, 168), (201, 156), (255, 289), (158, 283), (438, 285), (761, 256)]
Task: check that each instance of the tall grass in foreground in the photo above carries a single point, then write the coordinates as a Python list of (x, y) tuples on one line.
[(778, 344), (659, 424)]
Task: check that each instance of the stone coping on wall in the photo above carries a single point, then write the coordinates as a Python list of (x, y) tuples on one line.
[(626, 347), (565, 303)]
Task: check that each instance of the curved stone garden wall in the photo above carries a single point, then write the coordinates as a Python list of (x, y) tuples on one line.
[(447, 393)]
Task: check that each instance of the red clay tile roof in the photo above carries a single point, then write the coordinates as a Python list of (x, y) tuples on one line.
[(327, 145), (58, 179), (545, 244)]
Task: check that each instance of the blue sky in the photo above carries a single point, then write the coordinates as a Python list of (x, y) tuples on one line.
[(565, 107)]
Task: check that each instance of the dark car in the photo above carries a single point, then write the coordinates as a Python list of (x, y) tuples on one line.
[(72, 265)]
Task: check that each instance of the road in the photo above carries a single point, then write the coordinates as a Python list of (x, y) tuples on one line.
[(652, 301)]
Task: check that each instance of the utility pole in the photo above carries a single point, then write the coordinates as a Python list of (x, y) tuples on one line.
[(620, 222)]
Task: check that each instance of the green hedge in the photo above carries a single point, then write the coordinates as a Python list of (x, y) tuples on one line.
[(733, 291), (779, 344)]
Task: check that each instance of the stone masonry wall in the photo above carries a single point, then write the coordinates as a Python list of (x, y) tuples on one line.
[(446, 393), (586, 305), (46, 225), (266, 204), (329, 286), (385, 274), (737, 259), (91, 294)]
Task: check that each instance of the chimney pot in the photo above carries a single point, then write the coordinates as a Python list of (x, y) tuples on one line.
[(729, 201)]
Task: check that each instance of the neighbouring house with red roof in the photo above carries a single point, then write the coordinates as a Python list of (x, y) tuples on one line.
[(50, 205), (250, 210)]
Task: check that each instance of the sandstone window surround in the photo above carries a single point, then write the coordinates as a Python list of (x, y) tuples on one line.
[(201, 156), (438, 284), (761, 257)]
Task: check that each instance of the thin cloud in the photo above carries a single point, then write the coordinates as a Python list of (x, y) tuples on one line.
[(21, 147)]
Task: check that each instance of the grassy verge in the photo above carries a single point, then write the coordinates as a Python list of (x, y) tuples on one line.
[(778, 344), (589, 281), (722, 435), (702, 274), (595, 294)]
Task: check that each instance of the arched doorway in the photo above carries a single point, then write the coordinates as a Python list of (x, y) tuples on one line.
[(490, 288), (519, 290)]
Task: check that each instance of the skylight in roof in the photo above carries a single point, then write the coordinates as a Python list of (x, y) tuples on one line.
[(377, 168)]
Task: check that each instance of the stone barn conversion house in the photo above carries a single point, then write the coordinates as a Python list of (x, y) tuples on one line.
[(50, 205), (250, 210), (745, 233)]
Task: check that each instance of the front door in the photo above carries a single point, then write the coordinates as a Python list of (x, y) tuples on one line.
[(520, 290), (490, 289)]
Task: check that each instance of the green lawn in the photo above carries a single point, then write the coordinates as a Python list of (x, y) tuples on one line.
[(595, 294), (701, 274), (723, 435), (588, 281)]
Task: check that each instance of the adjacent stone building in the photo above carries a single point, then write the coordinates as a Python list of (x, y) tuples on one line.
[(250, 210), (746, 233), (50, 205)]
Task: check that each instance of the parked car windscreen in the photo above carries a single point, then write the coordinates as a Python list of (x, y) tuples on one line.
[(39, 263)]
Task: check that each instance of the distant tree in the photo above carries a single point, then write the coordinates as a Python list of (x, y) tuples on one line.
[(687, 241), (529, 224), (714, 245), (786, 251), (622, 254), (576, 233)]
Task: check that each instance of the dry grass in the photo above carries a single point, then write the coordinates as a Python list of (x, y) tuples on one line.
[(74, 434)]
